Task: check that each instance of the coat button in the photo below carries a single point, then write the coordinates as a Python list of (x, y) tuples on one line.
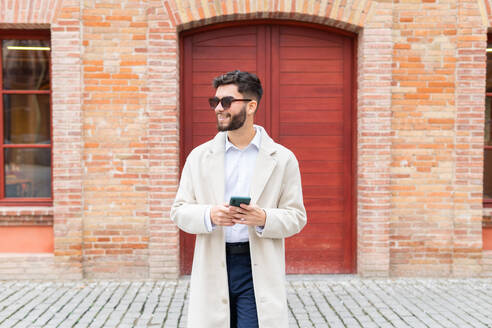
[(224, 300)]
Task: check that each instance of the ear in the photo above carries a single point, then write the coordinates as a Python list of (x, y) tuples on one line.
[(252, 107)]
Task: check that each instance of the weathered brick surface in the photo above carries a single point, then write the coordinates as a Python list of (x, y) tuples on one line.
[(486, 263), (420, 99), (24, 216), (469, 132), (349, 15), (485, 11), (163, 141), (424, 110), (29, 12), (66, 44), (374, 143), (29, 266), (115, 160), (437, 151)]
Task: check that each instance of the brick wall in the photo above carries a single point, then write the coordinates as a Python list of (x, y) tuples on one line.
[(438, 103), (66, 44), (470, 121), (163, 140), (22, 216), (26, 13), (29, 266), (420, 79), (374, 134), (423, 149), (115, 160)]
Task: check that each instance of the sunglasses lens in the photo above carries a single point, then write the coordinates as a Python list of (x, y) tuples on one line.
[(226, 102), (213, 102)]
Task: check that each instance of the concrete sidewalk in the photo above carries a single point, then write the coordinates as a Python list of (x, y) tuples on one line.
[(314, 301)]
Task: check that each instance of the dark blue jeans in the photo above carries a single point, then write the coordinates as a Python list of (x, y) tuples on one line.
[(241, 292)]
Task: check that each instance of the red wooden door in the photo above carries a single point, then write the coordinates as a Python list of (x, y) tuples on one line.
[(307, 75)]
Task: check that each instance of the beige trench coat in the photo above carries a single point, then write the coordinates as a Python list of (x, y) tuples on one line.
[(276, 187)]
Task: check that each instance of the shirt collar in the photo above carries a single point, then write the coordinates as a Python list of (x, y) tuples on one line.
[(255, 142)]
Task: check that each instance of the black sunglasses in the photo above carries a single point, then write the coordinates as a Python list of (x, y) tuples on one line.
[(226, 102)]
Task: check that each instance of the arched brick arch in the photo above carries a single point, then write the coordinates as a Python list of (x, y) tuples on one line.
[(29, 13), (348, 15), (370, 19), (485, 12)]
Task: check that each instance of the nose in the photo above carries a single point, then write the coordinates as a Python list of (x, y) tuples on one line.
[(219, 108)]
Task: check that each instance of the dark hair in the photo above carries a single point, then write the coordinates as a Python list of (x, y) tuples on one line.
[(247, 83)]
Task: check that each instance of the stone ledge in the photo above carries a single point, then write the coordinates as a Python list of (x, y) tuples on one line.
[(487, 221), (32, 215), (27, 266)]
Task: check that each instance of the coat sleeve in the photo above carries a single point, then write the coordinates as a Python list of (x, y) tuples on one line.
[(290, 216), (185, 212)]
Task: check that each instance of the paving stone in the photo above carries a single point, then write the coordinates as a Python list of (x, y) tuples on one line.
[(320, 301)]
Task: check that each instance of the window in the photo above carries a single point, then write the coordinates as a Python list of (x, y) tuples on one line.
[(25, 123)]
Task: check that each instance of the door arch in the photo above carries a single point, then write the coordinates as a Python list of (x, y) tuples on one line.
[(308, 106)]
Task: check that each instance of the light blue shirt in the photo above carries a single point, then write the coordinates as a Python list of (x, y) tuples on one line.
[(239, 169)]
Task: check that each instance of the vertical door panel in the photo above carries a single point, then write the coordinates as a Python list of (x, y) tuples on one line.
[(313, 112)]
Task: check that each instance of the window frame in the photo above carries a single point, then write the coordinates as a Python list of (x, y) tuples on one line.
[(24, 201)]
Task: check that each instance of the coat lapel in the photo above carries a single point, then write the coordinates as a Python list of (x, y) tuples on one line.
[(214, 168), (265, 164)]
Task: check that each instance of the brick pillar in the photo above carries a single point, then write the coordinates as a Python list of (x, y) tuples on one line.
[(374, 143), (63, 17), (66, 41), (470, 80), (163, 131), (115, 180), (424, 110)]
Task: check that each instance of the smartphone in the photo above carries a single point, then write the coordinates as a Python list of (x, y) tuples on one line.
[(237, 201)]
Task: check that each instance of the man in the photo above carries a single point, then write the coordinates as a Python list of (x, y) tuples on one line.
[(238, 273)]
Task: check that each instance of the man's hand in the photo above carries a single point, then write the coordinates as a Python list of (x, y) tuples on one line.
[(221, 215), (248, 214)]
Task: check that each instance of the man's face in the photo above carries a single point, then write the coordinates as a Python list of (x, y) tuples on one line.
[(234, 117)]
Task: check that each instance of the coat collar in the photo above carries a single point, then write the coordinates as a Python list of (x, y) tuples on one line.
[(265, 164), (255, 142)]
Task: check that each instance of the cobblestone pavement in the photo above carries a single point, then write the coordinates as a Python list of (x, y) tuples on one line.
[(314, 301)]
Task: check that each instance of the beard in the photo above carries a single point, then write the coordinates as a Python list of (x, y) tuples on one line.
[(236, 122)]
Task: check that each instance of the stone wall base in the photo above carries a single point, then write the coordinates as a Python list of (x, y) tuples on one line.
[(28, 266)]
